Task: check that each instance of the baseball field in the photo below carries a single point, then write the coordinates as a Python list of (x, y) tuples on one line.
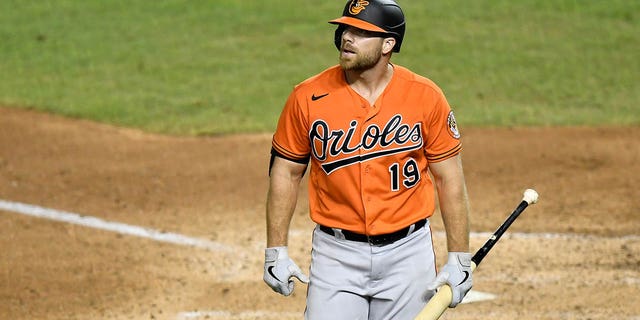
[(135, 138)]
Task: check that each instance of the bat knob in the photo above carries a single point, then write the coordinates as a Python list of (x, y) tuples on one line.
[(530, 196)]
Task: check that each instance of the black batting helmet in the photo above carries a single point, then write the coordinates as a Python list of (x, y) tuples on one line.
[(384, 16)]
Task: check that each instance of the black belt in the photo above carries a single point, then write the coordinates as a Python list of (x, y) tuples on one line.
[(380, 239)]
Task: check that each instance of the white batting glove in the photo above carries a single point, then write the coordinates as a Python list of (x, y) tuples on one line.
[(279, 269), (457, 274)]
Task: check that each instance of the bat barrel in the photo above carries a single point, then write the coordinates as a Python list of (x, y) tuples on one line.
[(482, 252)]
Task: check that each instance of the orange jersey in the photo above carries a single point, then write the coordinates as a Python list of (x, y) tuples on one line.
[(369, 164)]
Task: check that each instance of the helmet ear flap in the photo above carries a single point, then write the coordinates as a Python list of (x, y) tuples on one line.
[(337, 37)]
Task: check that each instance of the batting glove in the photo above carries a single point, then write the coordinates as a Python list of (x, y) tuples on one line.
[(279, 269), (457, 274)]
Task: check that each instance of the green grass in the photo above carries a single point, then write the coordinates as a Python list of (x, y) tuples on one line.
[(225, 66), (535, 62)]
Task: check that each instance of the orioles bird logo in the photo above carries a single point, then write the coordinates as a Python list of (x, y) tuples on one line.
[(357, 6)]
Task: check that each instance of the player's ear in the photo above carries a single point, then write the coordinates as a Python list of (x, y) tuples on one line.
[(387, 45)]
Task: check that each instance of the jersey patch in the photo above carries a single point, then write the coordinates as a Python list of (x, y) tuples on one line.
[(453, 126)]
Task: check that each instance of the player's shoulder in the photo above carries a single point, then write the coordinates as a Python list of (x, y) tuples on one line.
[(414, 79)]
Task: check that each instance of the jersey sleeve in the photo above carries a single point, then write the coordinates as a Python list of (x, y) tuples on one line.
[(443, 138), (291, 141)]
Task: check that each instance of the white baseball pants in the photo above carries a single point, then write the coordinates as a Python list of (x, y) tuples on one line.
[(355, 280)]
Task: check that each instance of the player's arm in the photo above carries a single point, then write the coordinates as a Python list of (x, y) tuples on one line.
[(284, 183), (454, 202), (454, 208)]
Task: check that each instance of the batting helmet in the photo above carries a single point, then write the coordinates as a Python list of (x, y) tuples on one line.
[(384, 16)]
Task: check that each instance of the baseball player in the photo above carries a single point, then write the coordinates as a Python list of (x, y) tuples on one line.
[(373, 132)]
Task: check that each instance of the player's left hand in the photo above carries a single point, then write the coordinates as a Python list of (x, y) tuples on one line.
[(457, 274), (279, 269)]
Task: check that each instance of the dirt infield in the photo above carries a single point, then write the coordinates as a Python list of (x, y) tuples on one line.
[(574, 255)]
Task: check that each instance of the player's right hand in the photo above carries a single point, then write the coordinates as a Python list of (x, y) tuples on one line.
[(279, 269)]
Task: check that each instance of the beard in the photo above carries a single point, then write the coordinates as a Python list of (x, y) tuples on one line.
[(361, 61)]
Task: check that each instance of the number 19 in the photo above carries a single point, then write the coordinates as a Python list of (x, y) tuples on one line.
[(410, 173)]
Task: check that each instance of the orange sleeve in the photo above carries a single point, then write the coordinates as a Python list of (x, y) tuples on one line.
[(291, 140), (443, 140)]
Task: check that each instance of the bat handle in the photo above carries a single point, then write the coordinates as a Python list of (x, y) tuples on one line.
[(439, 303)]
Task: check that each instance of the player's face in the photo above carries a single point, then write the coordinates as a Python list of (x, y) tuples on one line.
[(360, 50)]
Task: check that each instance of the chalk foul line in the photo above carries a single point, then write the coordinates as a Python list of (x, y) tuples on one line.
[(121, 228), (174, 238), (167, 237)]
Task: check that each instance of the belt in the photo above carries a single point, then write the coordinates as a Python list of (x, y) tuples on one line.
[(380, 239)]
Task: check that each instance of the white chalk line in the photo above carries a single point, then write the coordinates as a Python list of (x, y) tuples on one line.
[(169, 237), (174, 238), (121, 228)]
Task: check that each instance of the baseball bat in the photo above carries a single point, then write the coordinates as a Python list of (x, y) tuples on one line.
[(441, 300)]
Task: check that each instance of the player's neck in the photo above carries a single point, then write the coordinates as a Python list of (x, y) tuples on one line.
[(370, 83)]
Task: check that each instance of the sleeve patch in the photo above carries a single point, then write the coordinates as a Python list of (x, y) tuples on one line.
[(453, 125)]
